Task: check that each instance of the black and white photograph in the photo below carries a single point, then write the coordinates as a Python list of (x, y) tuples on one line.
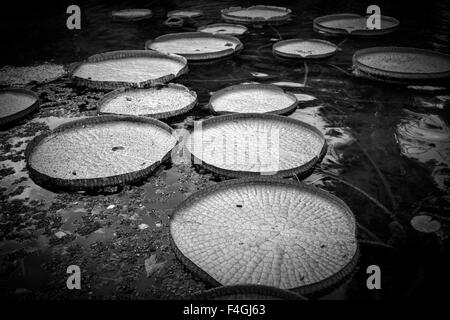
[(250, 151)]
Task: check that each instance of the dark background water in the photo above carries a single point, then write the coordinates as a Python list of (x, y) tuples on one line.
[(370, 111)]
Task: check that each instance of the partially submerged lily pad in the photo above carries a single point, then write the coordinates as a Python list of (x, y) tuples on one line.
[(305, 49), (185, 13), (256, 15), (353, 24), (99, 152), (247, 292), (425, 224), (128, 68), (132, 14), (157, 102), (401, 64), (258, 98), (253, 144), (196, 45), (224, 28), (19, 76), (264, 231), (16, 103)]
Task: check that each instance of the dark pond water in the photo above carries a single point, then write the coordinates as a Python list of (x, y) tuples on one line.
[(390, 141)]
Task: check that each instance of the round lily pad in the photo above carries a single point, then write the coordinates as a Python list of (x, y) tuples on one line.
[(305, 49), (256, 15), (401, 64), (196, 45), (128, 68), (16, 103), (132, 14), (159, 102), (187, 13), (247, 292), (99, 152), (425, 224), (266, 231), (253, 144), (353, 24), (224, 28), (257, 98)]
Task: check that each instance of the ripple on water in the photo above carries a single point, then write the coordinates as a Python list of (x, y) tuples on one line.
[(426, 138)]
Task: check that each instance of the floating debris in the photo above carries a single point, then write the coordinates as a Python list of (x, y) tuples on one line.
[(288, 235), (426, 138), (353, 24), (143, 226), (253, 144), (128, 68), (425, 224), (305, 49), (247, 292), (20, 76), (259, 74), (16, 103), (157, 102), (132, 14), (151, 266), (60, 234), (83, 154), (110, 207), (256, 15), (224, 28), (401, 64), (188, 13), (257, 98), (301, 97), (196, 45), (174, 22)]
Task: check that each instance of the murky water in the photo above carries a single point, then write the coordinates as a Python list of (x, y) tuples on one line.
[(390, 141)]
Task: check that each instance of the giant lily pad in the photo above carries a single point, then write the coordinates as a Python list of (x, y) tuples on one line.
[(401, 64), (224, 28), (266, 231), (128, 68), (16, 103), (306, 49), (252, 144), (256, 15), (185, 13), (99, 152), (132, 14), (258, 98), (158, 102), (353, 24), (196, 45), (247, 292)]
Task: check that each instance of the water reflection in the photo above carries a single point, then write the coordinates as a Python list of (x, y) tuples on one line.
[(426, 138)]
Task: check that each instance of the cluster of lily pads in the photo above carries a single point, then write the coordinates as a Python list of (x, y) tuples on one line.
[(258, 229)]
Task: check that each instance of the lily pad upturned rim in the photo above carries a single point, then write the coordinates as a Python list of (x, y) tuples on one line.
[(86, 184), (22, 113), (312, 290), (148, 15), (161, 115), (121, 54), (303, 171), (397, 75), (199, 56), (243, 289), (297, 56), (173, 13), (357, 32), (244, 28), (253, 86), (227, 15)]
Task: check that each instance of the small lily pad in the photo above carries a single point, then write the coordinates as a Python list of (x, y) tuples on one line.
[(425, 224)]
